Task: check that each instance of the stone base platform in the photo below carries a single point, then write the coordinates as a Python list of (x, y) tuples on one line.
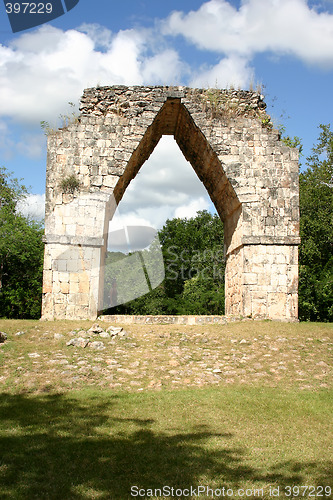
[(166, 320)]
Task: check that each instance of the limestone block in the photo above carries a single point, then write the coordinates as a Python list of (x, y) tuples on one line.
[(97, 180), (84, 285), (64, 287), (60, 265), (60, 311), (82, 299), (73, 266), (282, 280), (63, 277), (60, 298), (276, 305), (250, 278), (75, 277), (259, 306), (73, 287), (47, 281), (292, 307)]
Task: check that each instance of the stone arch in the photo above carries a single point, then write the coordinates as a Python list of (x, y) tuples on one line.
[(250, 176)]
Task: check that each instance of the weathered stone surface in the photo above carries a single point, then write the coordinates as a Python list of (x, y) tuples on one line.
[(98, 345), (96, 328), (78, 342), (3, 337), (250, 175)]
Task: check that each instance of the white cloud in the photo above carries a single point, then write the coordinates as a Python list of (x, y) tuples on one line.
[(41, 71), (281, 26), (231, 71), (192, 208), (101, 36), (165, 186), (119, 221), (164, 67), (33, 206)]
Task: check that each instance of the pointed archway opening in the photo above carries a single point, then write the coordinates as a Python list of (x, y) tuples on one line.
[(175, 120)]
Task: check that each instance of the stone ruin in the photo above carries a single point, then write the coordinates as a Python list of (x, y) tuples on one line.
[(226, 135)]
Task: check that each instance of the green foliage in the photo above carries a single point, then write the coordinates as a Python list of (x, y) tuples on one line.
[(266, 122), (293, 142), (316, 230), (21, 254), (194, 270), (69, 184)]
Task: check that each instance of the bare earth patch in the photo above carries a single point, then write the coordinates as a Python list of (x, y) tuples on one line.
[(35, 356)]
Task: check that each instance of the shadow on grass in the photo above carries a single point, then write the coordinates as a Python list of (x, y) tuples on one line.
[(58, 447)]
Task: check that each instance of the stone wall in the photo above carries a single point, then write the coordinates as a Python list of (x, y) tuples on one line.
[(250, 175)]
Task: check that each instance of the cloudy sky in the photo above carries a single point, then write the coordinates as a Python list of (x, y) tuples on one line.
[(286, 46)]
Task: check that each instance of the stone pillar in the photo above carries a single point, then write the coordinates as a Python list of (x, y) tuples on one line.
[(75, 238), (71, 280), (262, 281)]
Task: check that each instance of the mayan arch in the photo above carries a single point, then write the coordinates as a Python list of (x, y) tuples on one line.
[(226, 135)]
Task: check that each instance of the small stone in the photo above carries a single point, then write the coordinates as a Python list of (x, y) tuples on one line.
[(322, 363), (3, 337), (34, 355), (78, 342), (96, 328), (217, 370), (114, 330), (243, 341), (97, 345), (18, 334), (111, 362), (58, 336), (104, 334)]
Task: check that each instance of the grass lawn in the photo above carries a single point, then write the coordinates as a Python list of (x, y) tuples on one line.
[(245, 439)]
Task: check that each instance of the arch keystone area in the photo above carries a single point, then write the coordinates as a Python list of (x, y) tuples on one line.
[(249, 174)]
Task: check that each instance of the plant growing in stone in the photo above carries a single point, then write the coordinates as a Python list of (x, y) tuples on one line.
[(48, 130), (65, 121), (70, 184), (70, 118), (266, 122)]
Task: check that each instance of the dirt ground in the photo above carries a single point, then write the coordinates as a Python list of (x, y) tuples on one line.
[(36, 357)]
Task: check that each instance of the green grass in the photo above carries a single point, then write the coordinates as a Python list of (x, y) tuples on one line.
[(74, 425), (98, 444)]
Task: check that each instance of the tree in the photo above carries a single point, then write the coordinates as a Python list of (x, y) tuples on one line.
[(316, 231), (194, 270), (21, 254)]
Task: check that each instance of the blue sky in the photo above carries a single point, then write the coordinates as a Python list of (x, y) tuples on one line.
[(286, 46)]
